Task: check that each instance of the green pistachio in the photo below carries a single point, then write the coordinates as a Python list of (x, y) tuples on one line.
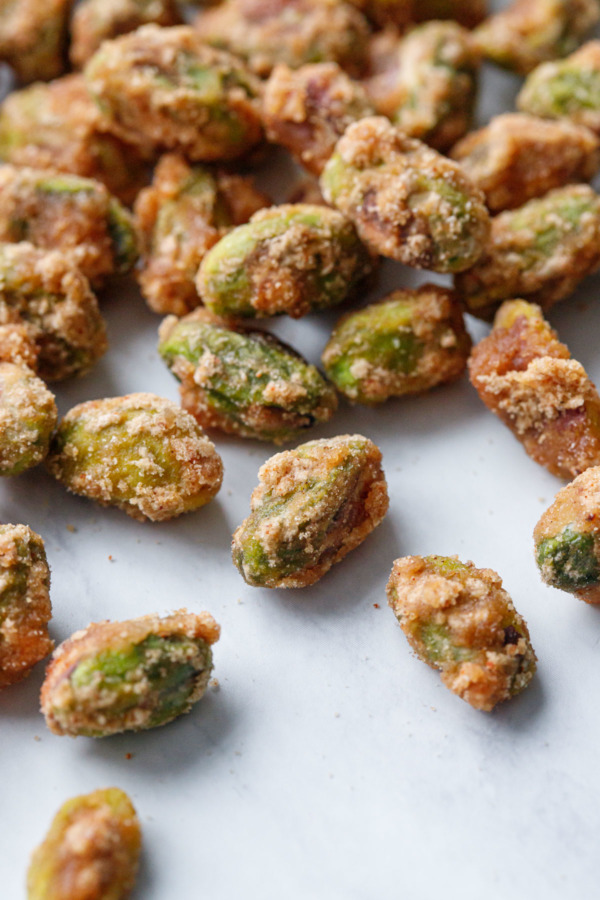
[(568, 561), (28, 417)]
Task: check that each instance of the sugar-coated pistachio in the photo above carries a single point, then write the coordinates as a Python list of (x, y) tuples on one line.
[(28, 417), (45, 292), (527, 378), (186, 210), (426, 84), (25, 608), (308, 109), (75, 215), (567, 538), (140, 452), (241, 381), (569, 87), (91, 851), (528, 32), (540, 252), (312, 506), (293, 32), (460, 620), (291, 259), (407, 343), (407, 201), (95, 21), (164, 87), (33, 37), (518, 157), (58, 126), (128, 676), (402, 13)]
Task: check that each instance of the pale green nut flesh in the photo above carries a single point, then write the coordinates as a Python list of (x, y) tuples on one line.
[(244, 382), (312, 506), (91, 851), (459, 620), (408, 343), (568, 561), (292, 259), (129, 676), (28, 417), (569, 87), (140, 452)]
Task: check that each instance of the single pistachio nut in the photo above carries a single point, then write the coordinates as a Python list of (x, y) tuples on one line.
[(292, 259), (567, 538), (164, 87), (33, 38), (243, 381), (128, 676), (313, 505), (539, 252), (91, 851), (529, 32), (28, 417), (460, 620), (407, 201), (526, 377), (25, 607), (45, 292), (407, 343), (184, 212), (140, 453)]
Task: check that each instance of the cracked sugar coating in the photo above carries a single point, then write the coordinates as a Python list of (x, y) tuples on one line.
[(407, 343), (243, 381), (292, 259), (58, 126), (518, 157), (313, 505), (140, 452), (128, 676), (460, 620), (566, 88), (25, 607), (567, 538), (426, 83), (94, 21), (526, 377), (49, 296), (185, 211), (540, 252), (292, 32), (164, 87), (307, 110), (74, 215), (91, 851), (28, 417), (407, 201), (33, 37), (529, 32)]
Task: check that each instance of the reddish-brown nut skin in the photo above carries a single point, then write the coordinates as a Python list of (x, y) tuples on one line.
[(402, 13), (517, 157), (307, 110), (526, 377)]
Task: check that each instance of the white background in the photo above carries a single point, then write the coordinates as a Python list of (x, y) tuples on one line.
[(330, 764)]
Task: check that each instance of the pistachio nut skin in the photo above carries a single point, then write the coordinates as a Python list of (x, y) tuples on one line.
[(243, 381), (140, 453), (128, 676), (28, 416), (567, 538), (25, 607), (404, 13), (293, 259), (407, 343), (91, 851), (460, 620), (312, 506)]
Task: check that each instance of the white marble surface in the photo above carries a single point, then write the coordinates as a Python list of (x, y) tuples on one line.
[(330, 764)]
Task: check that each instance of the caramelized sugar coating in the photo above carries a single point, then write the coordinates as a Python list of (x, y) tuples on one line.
[(33, 37), (460, 620), (526, 377), (402, 13)]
